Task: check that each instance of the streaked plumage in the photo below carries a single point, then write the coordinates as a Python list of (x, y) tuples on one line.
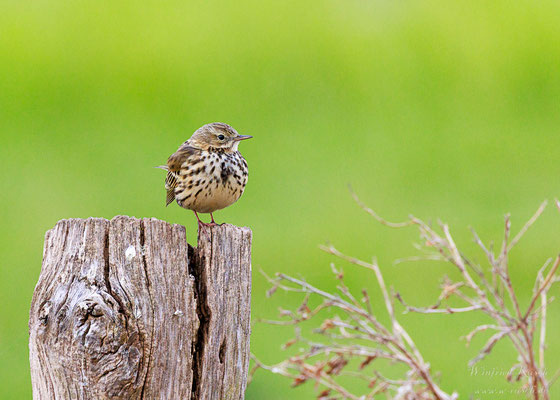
[(207, 172)]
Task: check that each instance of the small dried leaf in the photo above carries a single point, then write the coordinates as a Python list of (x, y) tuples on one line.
[(295, 360), (299, 380), (289, 343), (367, 361), (336, 365), (324, 394), (271, 291), (327, 324)]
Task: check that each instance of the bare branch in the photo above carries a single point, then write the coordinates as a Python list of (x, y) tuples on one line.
[(357, 334), (488, 347), (376, 216), (529, 223), (542, 338), (542, 287), (479, 329)]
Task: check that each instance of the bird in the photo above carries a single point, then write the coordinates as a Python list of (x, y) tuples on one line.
[(207, 172)]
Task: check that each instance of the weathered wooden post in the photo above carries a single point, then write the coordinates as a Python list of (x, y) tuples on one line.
[(126, 309)]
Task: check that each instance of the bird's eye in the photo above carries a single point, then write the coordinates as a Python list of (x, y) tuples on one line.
[(221, 137)]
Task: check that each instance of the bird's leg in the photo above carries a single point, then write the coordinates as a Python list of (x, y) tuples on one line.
[(198, 219), (204, 223)]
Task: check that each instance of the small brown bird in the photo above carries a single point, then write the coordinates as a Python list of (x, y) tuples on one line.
[(207, 172)]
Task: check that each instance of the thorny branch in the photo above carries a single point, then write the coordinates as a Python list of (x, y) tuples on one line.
[(355, 341)]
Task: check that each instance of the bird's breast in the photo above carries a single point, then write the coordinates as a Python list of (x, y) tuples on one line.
[(213, 181)]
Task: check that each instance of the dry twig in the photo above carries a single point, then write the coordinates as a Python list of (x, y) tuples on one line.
[(356, 332)]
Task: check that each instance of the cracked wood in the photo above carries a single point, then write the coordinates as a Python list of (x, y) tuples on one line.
[(125, 309)]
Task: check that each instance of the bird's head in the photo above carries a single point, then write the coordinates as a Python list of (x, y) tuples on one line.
[(217, 135)]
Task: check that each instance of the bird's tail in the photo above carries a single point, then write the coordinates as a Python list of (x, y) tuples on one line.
[(170, 188), (170, 197)]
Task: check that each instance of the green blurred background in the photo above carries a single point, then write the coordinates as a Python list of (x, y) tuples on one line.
[(442, 109)]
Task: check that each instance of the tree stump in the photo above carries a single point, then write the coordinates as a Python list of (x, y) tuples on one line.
[(126, 309)]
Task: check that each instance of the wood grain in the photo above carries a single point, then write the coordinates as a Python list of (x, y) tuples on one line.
[(125, 309)]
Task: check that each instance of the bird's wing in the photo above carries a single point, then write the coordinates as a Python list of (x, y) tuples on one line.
[(180, 156), (174, 163)]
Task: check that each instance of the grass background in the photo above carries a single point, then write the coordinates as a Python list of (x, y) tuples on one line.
[(441, 109)]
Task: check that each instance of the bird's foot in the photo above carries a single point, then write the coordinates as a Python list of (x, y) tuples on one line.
[(204, 224), (207, 224)]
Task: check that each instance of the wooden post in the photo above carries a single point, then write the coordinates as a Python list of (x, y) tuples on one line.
[(126, 309)]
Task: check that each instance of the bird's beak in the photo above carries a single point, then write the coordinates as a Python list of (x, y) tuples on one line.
[(242, 137)]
